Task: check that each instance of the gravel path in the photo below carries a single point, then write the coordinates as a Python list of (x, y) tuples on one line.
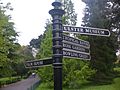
[(22, 85)]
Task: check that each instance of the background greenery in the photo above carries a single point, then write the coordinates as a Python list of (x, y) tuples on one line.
[(102, 69)]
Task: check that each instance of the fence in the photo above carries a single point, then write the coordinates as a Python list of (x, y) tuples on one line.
[(34, 86)]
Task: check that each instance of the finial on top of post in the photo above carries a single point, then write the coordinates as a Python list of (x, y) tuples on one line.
[(57, 4), (57, 8)]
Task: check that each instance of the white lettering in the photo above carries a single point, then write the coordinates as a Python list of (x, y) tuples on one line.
[(102, 32)]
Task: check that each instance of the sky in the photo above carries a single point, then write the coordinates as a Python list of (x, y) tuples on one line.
[(30, 17)]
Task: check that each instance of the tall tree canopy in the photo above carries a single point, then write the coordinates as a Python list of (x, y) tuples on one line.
[(70, 17), (115, 17), (25, 54), (46, 44), (103, 49), (35, 43), (8, 41)]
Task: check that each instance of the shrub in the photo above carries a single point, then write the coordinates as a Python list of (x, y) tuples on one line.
[(8, 80)]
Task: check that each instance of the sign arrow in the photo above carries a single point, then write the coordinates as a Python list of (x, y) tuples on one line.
[(75, 47), (87, 31), (38, 63), (75, 41), (76, 55)]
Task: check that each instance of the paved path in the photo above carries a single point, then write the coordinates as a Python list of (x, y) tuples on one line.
[(22, 85)]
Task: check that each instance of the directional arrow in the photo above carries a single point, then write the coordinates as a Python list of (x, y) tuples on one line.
[(75, 47), (87, 31), (38, 63), (76, 55), (74, 41)]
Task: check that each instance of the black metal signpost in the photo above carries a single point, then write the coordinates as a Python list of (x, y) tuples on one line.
[(57, 14), (65, 46)]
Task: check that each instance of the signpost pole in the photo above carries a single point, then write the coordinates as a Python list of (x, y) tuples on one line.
[(57, 14)]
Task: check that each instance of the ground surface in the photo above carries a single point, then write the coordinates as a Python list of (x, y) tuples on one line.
[(22, 85)]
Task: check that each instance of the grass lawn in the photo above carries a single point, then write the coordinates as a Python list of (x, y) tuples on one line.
[(114, 86)]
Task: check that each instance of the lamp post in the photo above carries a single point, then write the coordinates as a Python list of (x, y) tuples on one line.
[(57, 14)]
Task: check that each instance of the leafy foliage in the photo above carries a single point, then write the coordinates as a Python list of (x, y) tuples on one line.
[(76, 72), (70, 17), (35, 43), (46, 73), (25, 54), (12, 55), (103, 49), (46, 44), (8, 44)]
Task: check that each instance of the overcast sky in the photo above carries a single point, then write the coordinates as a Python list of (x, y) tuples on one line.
[(30, 17)]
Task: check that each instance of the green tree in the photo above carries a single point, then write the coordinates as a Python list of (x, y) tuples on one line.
[(71, 67), (25, 54), (115, 19), (46, 44), (70, 17), (8, 42), (46, 73), (35, 43), (103, 49)]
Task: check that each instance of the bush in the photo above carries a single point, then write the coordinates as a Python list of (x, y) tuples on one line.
[(76, 73), (8, 80)]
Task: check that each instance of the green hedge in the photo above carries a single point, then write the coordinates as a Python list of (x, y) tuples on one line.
[(8, 80)]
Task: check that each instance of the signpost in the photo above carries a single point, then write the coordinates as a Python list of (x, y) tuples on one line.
[(66, 46), (38, 63), (87, 31), (57, 14)]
